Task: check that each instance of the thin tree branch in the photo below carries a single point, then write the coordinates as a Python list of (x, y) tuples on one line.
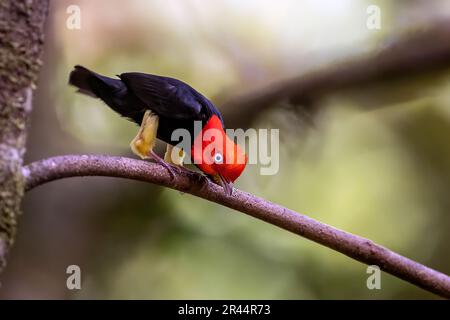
[(358, 248), (416, 53)]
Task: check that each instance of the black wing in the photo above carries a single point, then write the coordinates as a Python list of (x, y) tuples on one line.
[(167, 97)]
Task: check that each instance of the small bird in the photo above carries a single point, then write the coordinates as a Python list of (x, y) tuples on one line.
[(160, 105)]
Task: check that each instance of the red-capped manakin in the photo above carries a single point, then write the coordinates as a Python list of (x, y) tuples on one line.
[(161, 105)]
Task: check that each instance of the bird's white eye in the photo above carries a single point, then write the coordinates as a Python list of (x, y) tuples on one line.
[(218, 158)]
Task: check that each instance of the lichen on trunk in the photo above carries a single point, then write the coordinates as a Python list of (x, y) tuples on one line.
[(21, 45)]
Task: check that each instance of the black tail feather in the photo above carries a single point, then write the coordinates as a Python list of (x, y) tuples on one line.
[(80, 78), (112, 91)]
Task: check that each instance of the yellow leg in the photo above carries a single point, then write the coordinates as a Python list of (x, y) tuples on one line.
[(142, 145), (174, 155)]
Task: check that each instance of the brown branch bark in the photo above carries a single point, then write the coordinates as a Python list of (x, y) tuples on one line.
[(416, 53), (356, 247), (21, 39)]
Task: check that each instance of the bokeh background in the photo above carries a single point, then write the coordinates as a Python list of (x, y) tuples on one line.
[(372, 160)]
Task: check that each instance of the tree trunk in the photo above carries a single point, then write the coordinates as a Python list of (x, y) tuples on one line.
[(21, 43)]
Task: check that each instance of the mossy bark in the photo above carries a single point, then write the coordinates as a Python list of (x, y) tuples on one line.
[(21, 45)]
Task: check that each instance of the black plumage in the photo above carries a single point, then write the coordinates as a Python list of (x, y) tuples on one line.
[(176, 103)]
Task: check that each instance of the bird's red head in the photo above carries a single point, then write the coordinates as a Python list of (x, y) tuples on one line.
[(217, 155)]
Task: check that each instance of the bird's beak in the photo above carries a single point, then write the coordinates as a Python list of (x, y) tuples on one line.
[(226, 185)]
